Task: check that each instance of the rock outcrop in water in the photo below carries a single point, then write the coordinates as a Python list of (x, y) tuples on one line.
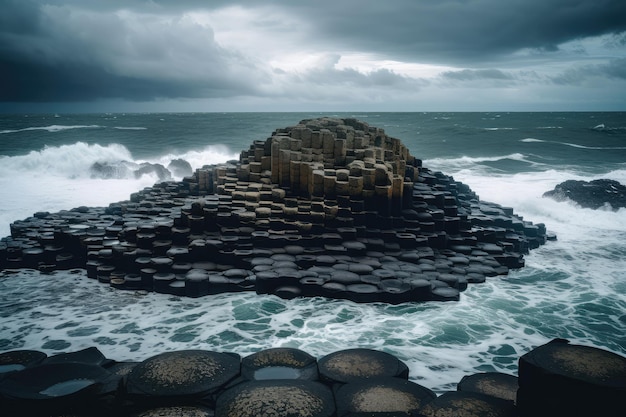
[(591, 194), (124, 169), (329, 207)]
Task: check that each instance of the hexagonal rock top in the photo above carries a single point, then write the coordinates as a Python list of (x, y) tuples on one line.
[(328, 207), (186, 373)]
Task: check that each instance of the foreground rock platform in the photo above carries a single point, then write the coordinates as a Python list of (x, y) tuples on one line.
[(328, 207), (555, 379)]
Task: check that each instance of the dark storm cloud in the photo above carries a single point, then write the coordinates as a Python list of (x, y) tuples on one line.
[(473, 75), (615, 68), (456, 31), (70, 50), (67, 54)]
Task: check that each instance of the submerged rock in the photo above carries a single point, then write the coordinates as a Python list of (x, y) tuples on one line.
[(591, 194), (109, 170), (328, 207), (180, 168), (162, 173), (125, 169)]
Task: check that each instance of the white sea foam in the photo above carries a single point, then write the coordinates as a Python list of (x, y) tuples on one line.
[(213, 154), (439, 342), (452, 165), (573, 145), (67, 161), (51, 128), (59, 178)]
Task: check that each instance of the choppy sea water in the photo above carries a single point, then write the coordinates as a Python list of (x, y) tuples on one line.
[(573, 288)]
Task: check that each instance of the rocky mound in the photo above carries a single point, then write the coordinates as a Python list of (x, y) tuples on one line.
[(591, 194), (329, 207)]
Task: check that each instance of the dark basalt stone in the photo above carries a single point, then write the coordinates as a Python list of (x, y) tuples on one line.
[(191, 373), (354, 364), (52, 389), (329, 207), (554, 379), (176, 411), (17, 360), (180, 168), (467, 404), (591, 194), (382, 395), (279, 363), (280, 398), (551, 375), (494, 384)]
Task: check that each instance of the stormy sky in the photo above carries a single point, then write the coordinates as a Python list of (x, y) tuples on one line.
[(322, 55)]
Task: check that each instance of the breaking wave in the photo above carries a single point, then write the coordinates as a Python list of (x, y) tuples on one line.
[(573, 145), (51, 128)]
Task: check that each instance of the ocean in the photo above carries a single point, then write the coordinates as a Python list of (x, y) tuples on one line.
[(572, 288)]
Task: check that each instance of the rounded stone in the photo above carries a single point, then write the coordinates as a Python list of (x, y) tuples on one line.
[(445, 293), (345, 277), (363, 293), (73, 382), (356, 364), (382, 395), (279, 363), (176, 411), (467, 404), (17, 360), (183, 373), (361, 268), (494, 384), (276, 398)]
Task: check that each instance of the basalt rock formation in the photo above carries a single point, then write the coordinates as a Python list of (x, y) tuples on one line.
[(555, 379), (591, 194), (329, 207)]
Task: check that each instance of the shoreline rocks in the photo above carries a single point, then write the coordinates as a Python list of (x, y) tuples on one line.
[(329, 207), (556, 378), (591, 194)]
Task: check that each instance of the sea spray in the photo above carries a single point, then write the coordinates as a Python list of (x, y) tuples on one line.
[(60, 177)]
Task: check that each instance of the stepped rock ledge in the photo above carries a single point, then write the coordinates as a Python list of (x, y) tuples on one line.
[(329, 207)]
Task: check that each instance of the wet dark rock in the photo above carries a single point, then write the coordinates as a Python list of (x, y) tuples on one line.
[(125, 169), (552, 375), (180, 168), (555, 379), (162, 173), (329, 207), (108, 170), (591, 194)]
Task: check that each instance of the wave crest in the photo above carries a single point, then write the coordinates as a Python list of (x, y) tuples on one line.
[(113, 161), (68, 161), (51, 128), (574, 145)]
